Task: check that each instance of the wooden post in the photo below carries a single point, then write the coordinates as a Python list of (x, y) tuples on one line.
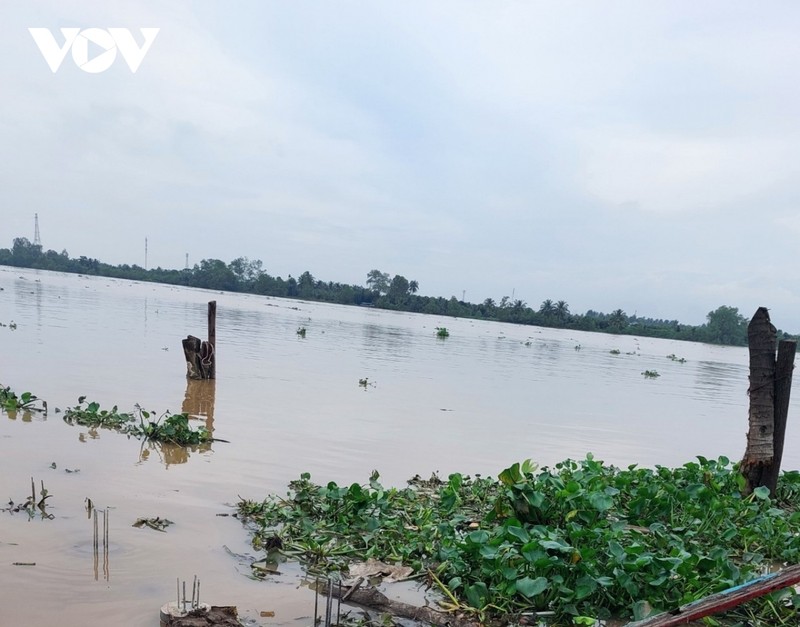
[(212, 338), (783, 389), (760, 453), (201, 357)]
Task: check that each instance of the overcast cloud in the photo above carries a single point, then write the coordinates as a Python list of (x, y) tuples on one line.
[(640, 155)]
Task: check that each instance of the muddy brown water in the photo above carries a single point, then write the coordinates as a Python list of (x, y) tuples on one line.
[(487, 396)]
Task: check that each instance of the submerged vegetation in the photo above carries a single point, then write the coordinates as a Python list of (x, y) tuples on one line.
[(725, 325), (581, 539)]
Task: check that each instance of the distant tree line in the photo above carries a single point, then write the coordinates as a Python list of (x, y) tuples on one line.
[(724, 325)]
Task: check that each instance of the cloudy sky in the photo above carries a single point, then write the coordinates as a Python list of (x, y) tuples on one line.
[(640, 155)]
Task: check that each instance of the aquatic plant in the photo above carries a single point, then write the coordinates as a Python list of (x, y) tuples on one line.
[(301, 331), (442, 332), (651, 374), (31, 503), (10, 401), (680, 360), (580, 539), (614, 351), (169, 428)]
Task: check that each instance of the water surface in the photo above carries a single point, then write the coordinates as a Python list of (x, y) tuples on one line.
[(487, 396)]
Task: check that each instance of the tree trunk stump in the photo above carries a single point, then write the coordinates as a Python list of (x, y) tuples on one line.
[(760, 453)]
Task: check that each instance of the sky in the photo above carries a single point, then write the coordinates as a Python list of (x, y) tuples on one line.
[(633, 155)]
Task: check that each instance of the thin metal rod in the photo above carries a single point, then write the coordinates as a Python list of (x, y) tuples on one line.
[(339, 604), (106, 571), (178, 584), (184, 595), (95, 552), (198, 593), (329, 604), (316, 598)]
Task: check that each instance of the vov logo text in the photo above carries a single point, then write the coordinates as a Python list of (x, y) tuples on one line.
[(105, 42)]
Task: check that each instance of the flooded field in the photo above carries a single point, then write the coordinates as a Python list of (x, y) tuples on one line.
[(488, 395)]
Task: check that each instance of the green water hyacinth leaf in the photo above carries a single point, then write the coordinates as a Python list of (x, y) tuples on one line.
[(676, 535), (531, 587), (601, 502), (761, 492), (478, 537), (641, 610), (519, 533), (477, 594)]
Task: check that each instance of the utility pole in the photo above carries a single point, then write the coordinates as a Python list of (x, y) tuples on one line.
[(187, 261), (37, 241), (145, 253)]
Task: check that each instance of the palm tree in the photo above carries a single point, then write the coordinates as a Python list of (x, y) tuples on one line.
[(562, 310), (413, 286), (547, 309), (618, 320)]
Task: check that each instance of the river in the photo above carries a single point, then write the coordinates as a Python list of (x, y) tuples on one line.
[(475, 402)]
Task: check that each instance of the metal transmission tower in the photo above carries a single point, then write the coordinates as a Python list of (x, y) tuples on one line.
[(37, 241)]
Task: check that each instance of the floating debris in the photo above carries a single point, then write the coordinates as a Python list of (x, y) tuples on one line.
[(158, 524)]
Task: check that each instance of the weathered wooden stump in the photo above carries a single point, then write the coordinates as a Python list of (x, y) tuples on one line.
[(201, 358), (770, 388)]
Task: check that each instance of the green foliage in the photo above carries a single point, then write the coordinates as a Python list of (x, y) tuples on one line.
[(581, 539), (651, 374), (442, 332), (168, 428), (378, 281), (726, 326), (301, 331), (672, 357), (10, 402)]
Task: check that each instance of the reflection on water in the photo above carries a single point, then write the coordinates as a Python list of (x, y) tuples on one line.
[(100, 536), (26, 415), (199, 399), (169, 454), (289, 405)]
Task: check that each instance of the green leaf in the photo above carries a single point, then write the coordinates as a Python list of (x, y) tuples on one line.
[(601, 502), (584, 587), (761, 492), (477, 594), (531, 587), (615, 548), (519, 533), (641, 610), (511, 475), (478, 537)]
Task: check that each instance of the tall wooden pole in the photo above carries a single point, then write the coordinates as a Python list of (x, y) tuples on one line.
[(212, 337)]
